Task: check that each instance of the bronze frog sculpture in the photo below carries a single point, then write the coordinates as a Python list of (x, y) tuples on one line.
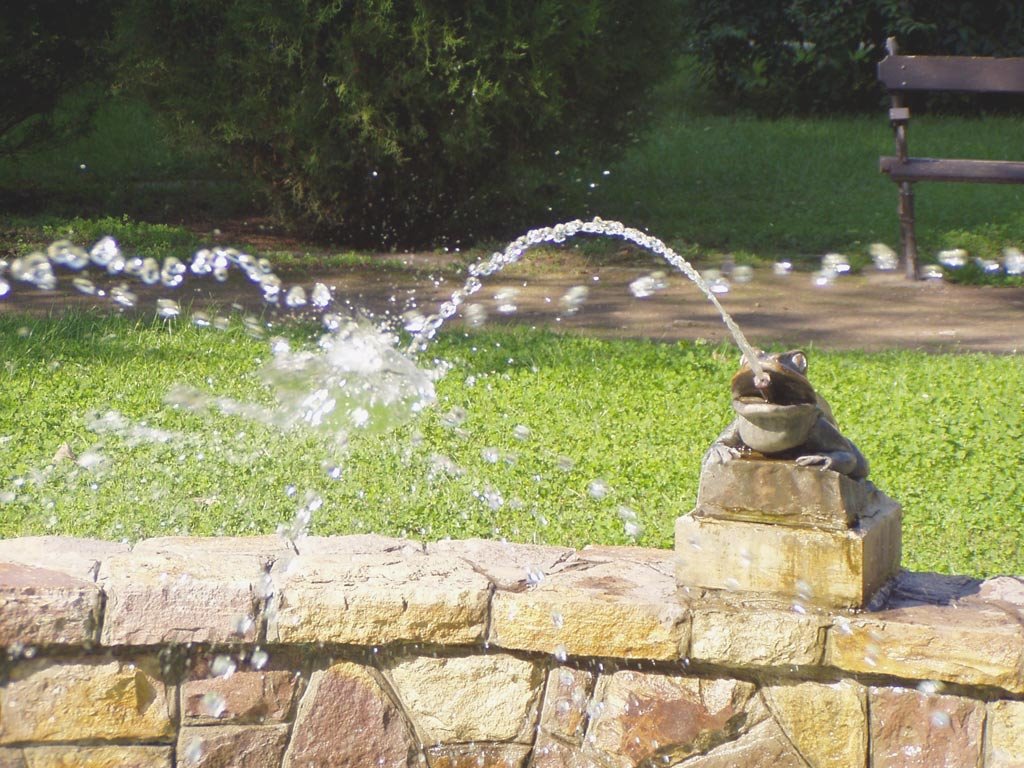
[(779, 415)]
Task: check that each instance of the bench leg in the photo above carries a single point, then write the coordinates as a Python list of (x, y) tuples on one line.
[(907, 238)]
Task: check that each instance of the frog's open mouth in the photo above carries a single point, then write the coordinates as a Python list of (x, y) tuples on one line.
[(784, 388)]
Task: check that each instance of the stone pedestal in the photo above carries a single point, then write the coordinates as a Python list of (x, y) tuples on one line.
[(774, 528)]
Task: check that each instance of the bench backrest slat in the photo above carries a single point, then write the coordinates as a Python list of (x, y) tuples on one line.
[(952, 73)]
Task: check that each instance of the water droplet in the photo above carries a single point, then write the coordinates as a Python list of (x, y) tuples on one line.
[(932, 272), (574, 298), (194, 750), (259, 659), (940, 719), (212, 704), (490, 455), (296, 297), (321, 296), (506, 301), (475, 315), (223, 666), (167, 308), (561, 652), (557, 620), (84, 285), (598, 489), (1013, 261), (104, 251), (241, 625), (782, 267), (954, 258), (521, 432), (883, 256)]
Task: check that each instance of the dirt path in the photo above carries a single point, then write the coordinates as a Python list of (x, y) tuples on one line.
[(873, 311)]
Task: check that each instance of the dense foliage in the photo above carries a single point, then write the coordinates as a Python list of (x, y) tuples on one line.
[(802, 56), (50, 49), (401, 123)]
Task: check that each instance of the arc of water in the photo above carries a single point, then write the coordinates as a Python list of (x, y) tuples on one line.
[(559, 233)]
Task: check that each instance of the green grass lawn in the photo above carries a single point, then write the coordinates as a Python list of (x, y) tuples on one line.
[(534, 437)]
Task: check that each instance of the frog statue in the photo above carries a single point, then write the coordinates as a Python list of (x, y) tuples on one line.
[(779, 415)]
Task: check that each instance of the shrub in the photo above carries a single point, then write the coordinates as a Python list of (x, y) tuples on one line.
[(401, 123), (804, 56), (50, 49)]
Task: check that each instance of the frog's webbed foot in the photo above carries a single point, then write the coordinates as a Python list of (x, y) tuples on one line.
[(822, 461), (843, 462), (720, 453)]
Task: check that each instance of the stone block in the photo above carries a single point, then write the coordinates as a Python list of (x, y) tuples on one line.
[(651, 719), (357, 544), (830, 568), (12, 757), (481, 755), (346, 720), (186, 590), (1004, 744), (966, 643), (80, 558), (99, 757), (378, 599), (232, 746), (41, 607), (46, 700), (763, 746), (245, 697), (610, 607), (784, 493), (911, 729), (509, 566), (566, 700), (747, 635), (827, 723), (549, 752), (491, 697)]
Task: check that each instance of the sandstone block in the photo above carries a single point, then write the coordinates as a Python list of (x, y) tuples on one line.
[(566, 698), (549, 752), (751, 636), (80, 558), (378, 599), (12, 757), (763, 746), (831, 568), (652, 719), (910, 729), (826, 723), (47, 701), (39, 606), (345, 720), (357, 544), (508, 566), (246, 697), (612, 607), (482, 755), (492, 697), (784, 493), (183, 589), (99, 757), (232, 746), (967, 643), (1004, 745)]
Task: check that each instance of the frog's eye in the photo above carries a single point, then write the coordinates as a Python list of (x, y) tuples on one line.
[(799, 361)]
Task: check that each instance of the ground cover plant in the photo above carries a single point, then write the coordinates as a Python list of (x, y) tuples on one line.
[(534, 437)]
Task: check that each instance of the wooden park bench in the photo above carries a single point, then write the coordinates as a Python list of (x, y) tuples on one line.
[(964, 74)]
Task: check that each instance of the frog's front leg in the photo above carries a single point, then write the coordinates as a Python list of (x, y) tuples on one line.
[(727, 446)]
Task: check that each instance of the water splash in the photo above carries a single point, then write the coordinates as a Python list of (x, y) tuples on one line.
[(558, 234)]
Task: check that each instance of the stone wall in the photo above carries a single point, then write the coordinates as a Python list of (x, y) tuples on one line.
[(365, 651)]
